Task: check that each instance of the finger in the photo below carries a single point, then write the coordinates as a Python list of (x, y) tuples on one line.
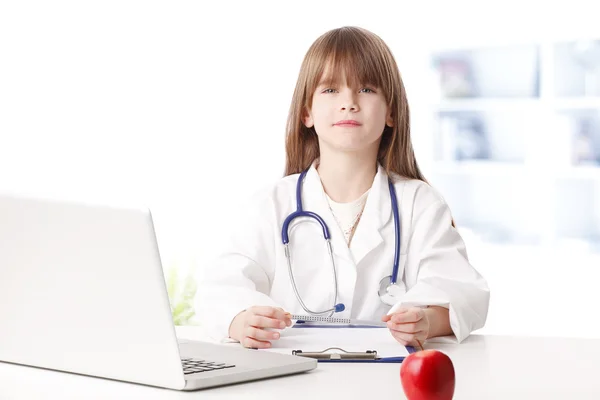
[(406, 328), (411, 339), (265, 322), (260, 334), (288, 318), (408, 317), (387, 317), (404, 338), (255, 344), (270, 312)]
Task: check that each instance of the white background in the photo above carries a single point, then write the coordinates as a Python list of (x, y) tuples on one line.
[(183, 105)]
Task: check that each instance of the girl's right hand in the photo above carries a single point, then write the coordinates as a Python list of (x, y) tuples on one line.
[(250, 326)]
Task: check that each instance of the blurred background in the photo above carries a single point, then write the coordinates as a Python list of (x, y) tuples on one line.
[(182, 106)]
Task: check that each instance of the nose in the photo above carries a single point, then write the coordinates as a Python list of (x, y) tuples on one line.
[(349, 102)]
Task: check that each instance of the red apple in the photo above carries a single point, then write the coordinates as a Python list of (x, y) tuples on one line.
[(427, 375)]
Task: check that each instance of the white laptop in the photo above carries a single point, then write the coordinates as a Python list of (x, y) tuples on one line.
[(82, 290)]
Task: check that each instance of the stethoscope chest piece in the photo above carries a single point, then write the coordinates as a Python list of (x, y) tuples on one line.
[(390, 293)]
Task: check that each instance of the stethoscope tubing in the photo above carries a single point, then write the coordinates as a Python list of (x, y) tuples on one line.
[(326, 234)]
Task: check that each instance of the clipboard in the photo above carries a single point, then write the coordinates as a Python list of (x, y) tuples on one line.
[(342, 343), (368, 356), (349, 356)]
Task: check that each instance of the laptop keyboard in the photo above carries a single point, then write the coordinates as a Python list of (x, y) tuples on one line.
[(193, 365)]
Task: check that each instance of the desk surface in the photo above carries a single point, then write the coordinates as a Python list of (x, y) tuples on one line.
[(487, 367)]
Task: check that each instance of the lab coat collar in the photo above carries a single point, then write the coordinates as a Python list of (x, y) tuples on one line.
[(376, 214)]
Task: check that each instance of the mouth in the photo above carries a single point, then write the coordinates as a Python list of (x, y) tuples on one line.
[(348, 123)]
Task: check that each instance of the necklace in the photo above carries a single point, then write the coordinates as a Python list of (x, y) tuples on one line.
[(354, 225), (348, 215), (350, 230)]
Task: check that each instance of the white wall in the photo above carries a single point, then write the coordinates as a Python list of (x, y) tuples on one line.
[(183, 104), (165, 101)]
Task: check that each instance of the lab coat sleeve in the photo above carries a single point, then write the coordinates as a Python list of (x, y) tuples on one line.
[(445, 277), (242, 274)]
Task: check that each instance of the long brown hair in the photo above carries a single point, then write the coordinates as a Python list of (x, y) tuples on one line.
[(366, 59)]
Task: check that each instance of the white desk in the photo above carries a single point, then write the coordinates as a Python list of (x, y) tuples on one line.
[(487, 367)]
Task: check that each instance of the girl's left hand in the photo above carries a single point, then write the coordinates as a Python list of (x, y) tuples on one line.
[(409, 326)]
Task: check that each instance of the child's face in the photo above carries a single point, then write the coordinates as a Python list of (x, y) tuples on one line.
[(331, 104)]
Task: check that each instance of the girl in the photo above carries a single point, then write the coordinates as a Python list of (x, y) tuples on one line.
[(393, 252)]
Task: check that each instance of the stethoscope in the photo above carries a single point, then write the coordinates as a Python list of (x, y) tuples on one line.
[(389, 291)]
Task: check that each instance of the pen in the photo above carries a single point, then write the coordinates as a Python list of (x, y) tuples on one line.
[(420, 344)]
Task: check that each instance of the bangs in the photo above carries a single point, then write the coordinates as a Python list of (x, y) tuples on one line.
[(352, 54)]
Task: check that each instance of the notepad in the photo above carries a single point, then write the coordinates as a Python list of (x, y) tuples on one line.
[(349, 339), (333, 320)]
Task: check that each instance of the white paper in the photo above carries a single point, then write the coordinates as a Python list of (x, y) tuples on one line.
[(349, 339)]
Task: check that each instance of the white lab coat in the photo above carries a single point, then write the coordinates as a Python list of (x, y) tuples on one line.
[(434, 269)]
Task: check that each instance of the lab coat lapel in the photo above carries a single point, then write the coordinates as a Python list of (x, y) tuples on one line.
[(376, 214), (314, 199)]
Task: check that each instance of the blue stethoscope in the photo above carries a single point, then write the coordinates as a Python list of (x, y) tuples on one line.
[(389, 291)]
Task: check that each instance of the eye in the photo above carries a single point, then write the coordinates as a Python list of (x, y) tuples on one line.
[(369, 90), (328, 90)]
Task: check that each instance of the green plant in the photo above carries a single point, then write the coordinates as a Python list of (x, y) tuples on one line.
[(181, 296)]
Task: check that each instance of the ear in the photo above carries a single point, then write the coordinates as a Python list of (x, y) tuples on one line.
[(389, 121), (307, 119)]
